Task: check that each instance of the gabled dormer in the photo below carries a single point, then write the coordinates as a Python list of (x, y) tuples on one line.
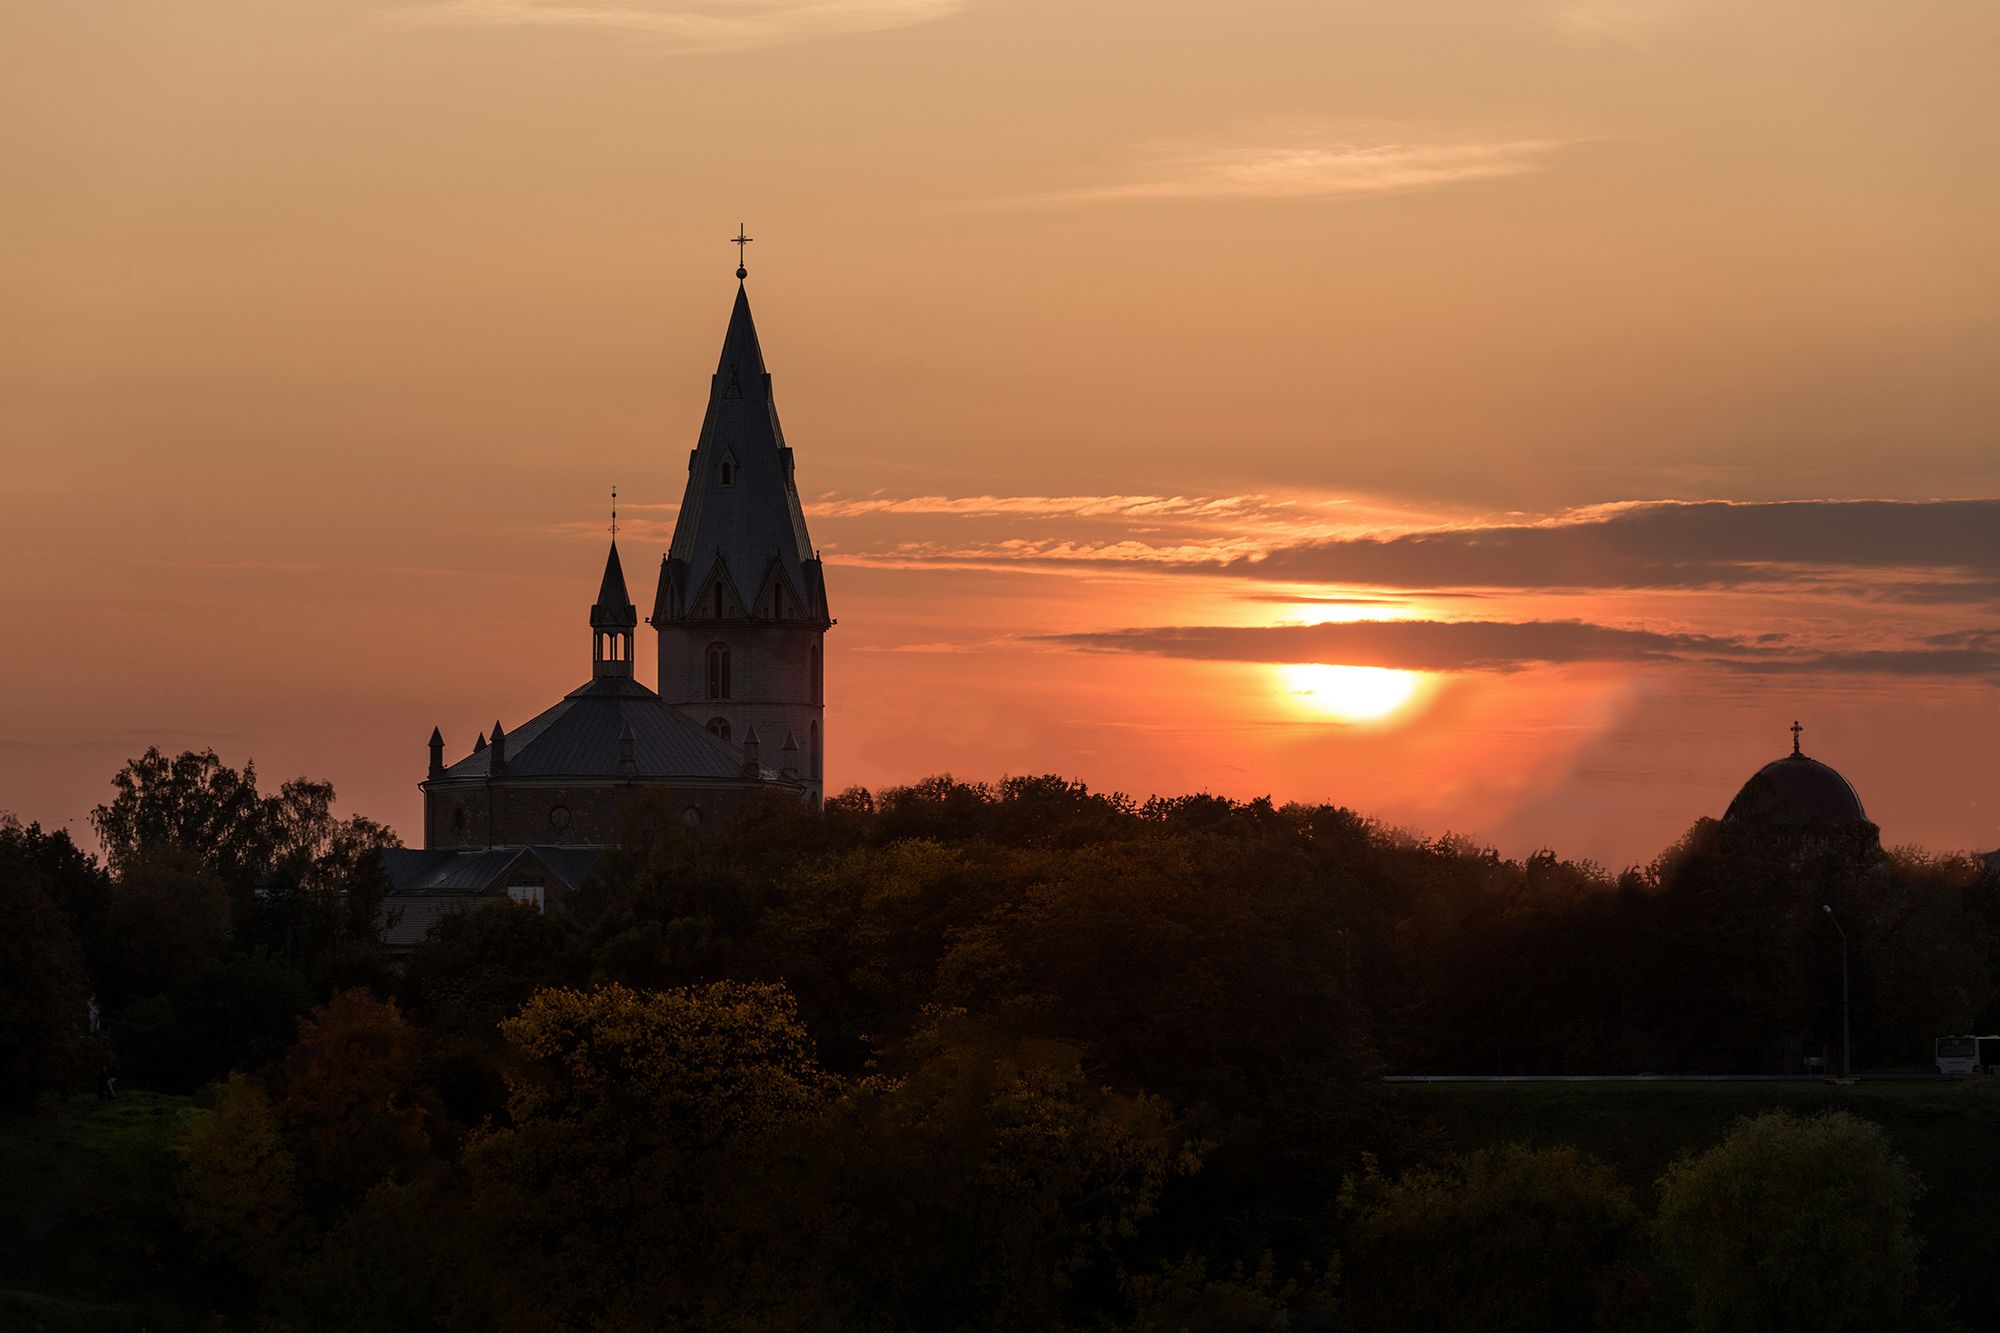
[(716, 598), (779, 598)]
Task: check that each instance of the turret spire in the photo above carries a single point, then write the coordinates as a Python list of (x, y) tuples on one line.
[(613, 618)]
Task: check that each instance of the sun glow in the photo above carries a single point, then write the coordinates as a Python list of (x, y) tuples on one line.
[(1349, 693)]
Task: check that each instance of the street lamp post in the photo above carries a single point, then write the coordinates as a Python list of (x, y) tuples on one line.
[(1846, 1050)]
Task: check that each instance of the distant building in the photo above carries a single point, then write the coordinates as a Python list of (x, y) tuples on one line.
[(740, 616), (1797, 790)]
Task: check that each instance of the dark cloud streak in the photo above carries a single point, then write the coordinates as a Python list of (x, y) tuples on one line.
[(1488, 645), (1667, 546)]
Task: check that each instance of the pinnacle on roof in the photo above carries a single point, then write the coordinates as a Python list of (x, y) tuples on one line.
[(437, 736), (613, 608)]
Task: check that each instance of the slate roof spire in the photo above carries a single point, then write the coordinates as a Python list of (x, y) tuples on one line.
[(740, 525), (613, 608), (613, 621)]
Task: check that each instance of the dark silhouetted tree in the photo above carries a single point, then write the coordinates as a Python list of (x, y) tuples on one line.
[(1791, 1223)]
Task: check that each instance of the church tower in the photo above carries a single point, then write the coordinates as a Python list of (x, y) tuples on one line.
[(741, 611)]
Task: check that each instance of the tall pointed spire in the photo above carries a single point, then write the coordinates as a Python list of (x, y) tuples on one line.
[(740, 524)]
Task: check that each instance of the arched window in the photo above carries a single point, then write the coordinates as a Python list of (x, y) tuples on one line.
[(718, 601), (815, 749), (778, 601), (818, 683), (728, 472), (718, 671), (720, 726)]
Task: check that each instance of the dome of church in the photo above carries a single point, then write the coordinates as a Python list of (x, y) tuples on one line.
[(1797, 789)]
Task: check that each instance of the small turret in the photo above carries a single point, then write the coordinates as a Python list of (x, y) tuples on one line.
[(752, 768), (613, 619), (498, 761), (788, 757), (479, 746), (437, 753)]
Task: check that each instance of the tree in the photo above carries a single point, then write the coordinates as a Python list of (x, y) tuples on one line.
[(168, 918), (239, 1012), (984, 1187), (193, 802), (475, 968), (639, 1184), (354, 1108), (44, 994), (303, 883), (1791, 1223), (238, 1188), (1514, 1238), (72, 878)]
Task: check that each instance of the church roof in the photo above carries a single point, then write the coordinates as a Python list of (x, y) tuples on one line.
[(425, 885), (473, 870), (741, 507), (1797, 789), (613, 608), (579, 738)]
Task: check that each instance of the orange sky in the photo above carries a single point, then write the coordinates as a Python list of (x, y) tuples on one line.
[(1119, 344)]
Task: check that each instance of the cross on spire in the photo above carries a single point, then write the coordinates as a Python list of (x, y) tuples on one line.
[(1796, 729), (739, 240), (614, 513)]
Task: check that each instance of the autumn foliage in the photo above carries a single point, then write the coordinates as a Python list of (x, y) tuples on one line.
[(964, 1057)]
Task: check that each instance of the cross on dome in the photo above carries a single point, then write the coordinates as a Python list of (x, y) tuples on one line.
[(1796, 729)]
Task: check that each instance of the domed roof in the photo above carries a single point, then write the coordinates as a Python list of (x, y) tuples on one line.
[(1797, 789)]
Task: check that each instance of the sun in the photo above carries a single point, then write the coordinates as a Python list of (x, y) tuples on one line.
[(1349, 693)]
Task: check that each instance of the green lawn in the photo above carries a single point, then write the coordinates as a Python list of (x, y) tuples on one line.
[(86, 1208), (1950, 1132)]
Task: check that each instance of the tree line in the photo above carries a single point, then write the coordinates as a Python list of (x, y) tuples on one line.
[(965, 1056)]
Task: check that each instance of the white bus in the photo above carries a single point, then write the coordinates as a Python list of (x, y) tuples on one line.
[(1968, 1055)]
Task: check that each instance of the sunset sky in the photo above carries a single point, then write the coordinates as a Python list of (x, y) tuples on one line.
[(1626, 369)]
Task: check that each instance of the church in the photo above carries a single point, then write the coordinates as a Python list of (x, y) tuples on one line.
[(739, 618)]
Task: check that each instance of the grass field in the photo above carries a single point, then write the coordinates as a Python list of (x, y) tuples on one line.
[(1950, 1132), (86, 1210)]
